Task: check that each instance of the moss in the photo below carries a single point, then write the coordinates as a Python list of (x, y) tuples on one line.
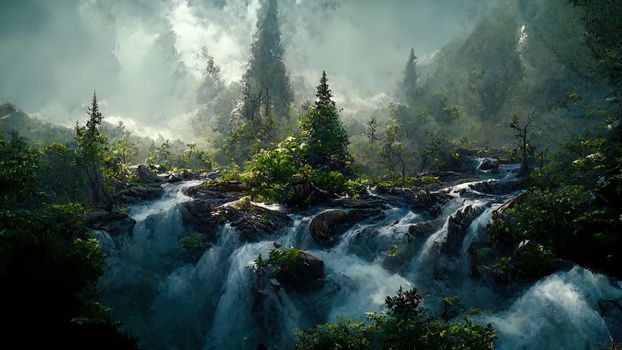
[(194, 242)]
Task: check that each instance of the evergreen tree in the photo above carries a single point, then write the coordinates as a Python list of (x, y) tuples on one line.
[(267, 91), (90, 152), (323, 133), (409, 84)]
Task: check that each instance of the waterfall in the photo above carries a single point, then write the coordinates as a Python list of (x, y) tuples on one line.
[(171, 302), (558, 312)]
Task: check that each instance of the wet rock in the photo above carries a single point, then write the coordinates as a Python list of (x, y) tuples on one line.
[(250, 220), (496, 187), (113, 223), (199, 212), (418, 199), (425, 228), (611, 312), (329, 225), (207, 213), (300, 272), (214, 175), (457, 227), (490, 165), (140, 193), (304, 195)]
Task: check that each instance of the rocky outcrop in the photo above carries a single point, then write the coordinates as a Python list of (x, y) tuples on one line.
[(215, 205), (611, 312), (425, 228), (304, 195), (250, 220), (329, 225), (299, 273), (457, 228), (145, 175), (140, 193), (113, 223), (418, 199), (489, 165)]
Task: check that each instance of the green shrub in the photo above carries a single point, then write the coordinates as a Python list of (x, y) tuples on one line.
[(194, 242), (404, 325)]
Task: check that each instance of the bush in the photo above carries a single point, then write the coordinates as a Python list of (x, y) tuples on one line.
[(404, 325)]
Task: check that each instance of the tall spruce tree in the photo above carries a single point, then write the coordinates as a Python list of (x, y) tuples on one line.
[(409, 84), (267, 91), (89, 153), (323, 133)]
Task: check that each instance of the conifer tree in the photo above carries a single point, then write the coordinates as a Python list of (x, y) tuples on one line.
[(90, 151), (409, 84), (323, 133), (267, 91)]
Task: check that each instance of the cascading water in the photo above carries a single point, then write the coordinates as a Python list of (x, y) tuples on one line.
[(171, 302)]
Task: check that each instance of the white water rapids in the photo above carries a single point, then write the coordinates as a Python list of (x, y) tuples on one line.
[(171, 302)]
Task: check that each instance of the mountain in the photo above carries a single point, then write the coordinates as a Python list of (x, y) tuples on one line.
[(526, 58), (33, 129)]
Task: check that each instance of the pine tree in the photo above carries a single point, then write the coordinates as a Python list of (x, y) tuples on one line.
[(323, 133), (267, 91), (90, 151), (409, 84)]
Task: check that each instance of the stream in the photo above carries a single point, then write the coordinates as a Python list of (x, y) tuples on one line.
[(170, 301)]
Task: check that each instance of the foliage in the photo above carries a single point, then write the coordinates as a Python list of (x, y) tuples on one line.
[(602, 20), (322, 132), (404, 325), (47, 259), (194, 243), (18, 167), (90, 154), (59, 177), (283, 260), (572, 209), (409, 82)]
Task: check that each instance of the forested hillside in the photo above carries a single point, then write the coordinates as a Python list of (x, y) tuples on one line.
[(469, 199)]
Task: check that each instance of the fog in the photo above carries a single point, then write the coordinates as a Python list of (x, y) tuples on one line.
[(143, 57)]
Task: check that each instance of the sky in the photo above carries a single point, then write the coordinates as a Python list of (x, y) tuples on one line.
[(143, 56)]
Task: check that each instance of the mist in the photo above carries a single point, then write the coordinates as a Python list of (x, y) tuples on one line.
[(143, 57)]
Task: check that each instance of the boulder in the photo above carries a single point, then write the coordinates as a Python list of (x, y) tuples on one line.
[(489, 165), (425, 228), (304, 195), (145, 175), (113, 223), (329, 225), (207, 213), (457, 228), (250, 220), (141, 193), (299, 272), (611, 312)]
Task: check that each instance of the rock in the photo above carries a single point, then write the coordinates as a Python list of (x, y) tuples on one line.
[(327, 226), (113, 223), (457, 227), (489, 165), (300, 272), (496, 187), (611, 312), (418, 199), (305, 195), (141, 193), (207, 213), (250, 220), (145, 175), (214, 175), (501, 212), (425, 228)]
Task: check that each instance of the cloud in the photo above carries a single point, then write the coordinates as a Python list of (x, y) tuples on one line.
[(142, 56)]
